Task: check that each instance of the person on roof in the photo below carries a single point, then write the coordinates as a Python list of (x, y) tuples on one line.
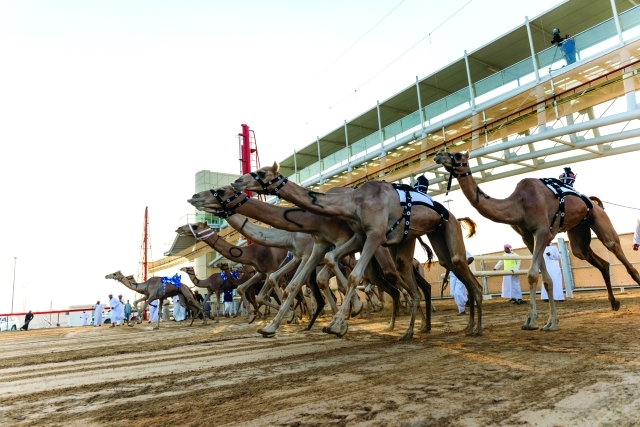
[(567, 46)]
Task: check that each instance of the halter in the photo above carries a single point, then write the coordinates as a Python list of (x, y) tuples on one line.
[(265, 185), (197, 235), (226, 212), (453, 171)]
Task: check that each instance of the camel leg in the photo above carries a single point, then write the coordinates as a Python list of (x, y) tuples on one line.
[(274, 279), (403, 260), (292, 289), (264, 296), (217, 309), (338, 325), (580, 240), (144, 307), (541, 239), (160, 303), (323, 281), (242, 289), (135, 304)]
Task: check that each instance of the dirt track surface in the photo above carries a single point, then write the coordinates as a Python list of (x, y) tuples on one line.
[(586, 374)]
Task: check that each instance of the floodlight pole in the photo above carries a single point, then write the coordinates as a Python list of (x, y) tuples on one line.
[(13, 288)]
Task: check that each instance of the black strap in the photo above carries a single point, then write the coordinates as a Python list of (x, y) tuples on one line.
[(560, 194), (454, 174), (406, 210), (226, 211), (265, 185)]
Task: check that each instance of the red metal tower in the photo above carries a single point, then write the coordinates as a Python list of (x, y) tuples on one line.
[(249, 158), (145, 248)]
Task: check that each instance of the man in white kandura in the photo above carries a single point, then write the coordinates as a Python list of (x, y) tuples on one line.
[(510, 283), (85, 318), (636, 236), (457, 289), (153, 311), (552, 261), (117, 311), (178, 311), (97, 314)]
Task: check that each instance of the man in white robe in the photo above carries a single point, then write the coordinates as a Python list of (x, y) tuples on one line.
[(510, 283), (179, 312), (153, 311), (457, 289), (97, 314), (85, 318), (116, 311), (636, 235), (552, 261)]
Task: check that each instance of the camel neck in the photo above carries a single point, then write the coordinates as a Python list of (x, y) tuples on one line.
[(336, 205), (227, 250), (288, 219), (497, 210), (194, 278), (261, 235)]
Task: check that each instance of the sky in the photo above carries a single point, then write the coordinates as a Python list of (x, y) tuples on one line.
[(109, 107)]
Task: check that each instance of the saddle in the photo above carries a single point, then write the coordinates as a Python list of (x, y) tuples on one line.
[(561, 190), (175, 280), (409, 197)]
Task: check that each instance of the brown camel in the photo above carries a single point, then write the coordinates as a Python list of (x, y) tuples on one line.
[(247, 272), (215, 284), (370, 211), (533, 210), (326, 232), (264, 259), (154, 289)]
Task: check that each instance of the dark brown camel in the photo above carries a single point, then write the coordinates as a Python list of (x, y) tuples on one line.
[(530, 210)]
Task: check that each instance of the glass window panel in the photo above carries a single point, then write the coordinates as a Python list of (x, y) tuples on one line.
[(435, 109)]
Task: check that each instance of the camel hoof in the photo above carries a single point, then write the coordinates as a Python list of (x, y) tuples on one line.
[(290, 316), (252, 318), (325, 330), (217, 321), (550, 326), (268, 335), (408, 336), (357, 308), (156, 328), (529, 326), (343, 330), (615, 305), (131, 325)]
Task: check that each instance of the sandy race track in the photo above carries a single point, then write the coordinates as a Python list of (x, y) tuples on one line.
[(586, 374)]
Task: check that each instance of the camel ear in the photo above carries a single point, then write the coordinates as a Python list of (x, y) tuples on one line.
[(276, 167)]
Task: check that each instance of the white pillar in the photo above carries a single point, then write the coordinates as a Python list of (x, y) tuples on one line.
[(319, 158), (295, 167), (616, 19), (565, 263), (471, 95), (346, 140), (533, 52), (382, 153), (422, 118)]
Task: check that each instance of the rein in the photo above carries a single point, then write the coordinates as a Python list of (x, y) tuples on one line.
[(197, 235), (226, 211), (265, 185), (453, 172)]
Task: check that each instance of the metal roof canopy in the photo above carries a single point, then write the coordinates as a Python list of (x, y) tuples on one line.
[(572, 17)]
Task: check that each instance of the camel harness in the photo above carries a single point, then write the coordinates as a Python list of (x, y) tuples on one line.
[(406, 209), (453, 172), (227, 212), (265, 185), (561, 191)]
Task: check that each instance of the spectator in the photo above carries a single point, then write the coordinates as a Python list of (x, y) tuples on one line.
[(116, 311), (27, 319), (457, 289), (636, 235), (551, 260), (207, 306), (127, 310), (228, 303), (199, 297), (567, 46), (178, 311), (85, 318), (510, 283), (153, 311), (97, 314)]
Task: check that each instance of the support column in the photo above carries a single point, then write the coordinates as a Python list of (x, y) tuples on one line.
[(422, 118), (295, 167), (533, 52), (319, 159), (565, 263), (346, 140), (471, 95), (382, 152), (616, 19)]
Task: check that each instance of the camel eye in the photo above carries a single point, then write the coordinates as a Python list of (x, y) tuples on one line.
[(220, 191), (261, 174), (458, 156), (195, 196)]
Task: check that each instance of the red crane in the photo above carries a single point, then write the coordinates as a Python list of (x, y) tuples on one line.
[(145, 248), (249, 158)]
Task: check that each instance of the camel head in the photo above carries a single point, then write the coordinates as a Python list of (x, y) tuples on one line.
[(257, 183), (445, 159), (189, 229), (208, 201), (223, 266), (188, 270), (115, 276)]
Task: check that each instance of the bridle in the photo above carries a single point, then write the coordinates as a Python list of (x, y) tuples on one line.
[(265, 185), (226, 211), (205, 234), (453, 171)]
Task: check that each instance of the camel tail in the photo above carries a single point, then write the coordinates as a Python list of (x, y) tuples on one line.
[(429, 252), (469, 225), (597, 201)]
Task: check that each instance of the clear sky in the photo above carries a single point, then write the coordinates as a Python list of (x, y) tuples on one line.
[(108, 107)]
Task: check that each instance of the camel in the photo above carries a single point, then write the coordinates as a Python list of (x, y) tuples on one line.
[(532, 210), (326, 232), (264, 259), (215, 284), (247, 272), (154, 289), (375, 214)]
